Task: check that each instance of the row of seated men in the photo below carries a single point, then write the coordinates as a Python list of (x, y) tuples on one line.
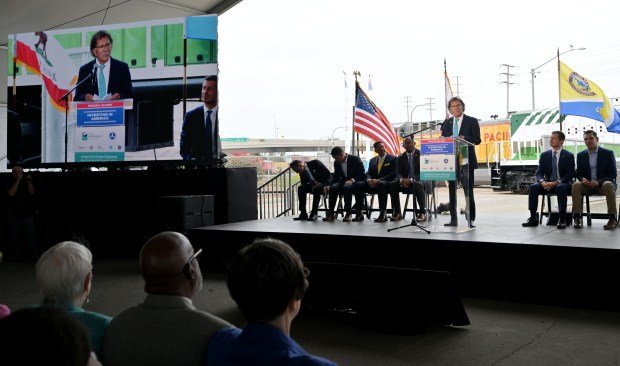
[(267, 279), (387, 174), (595, 174)]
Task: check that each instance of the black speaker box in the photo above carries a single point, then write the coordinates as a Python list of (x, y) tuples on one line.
[(181, 213)]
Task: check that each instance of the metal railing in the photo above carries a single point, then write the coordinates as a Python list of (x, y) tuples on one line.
[(278, 196)]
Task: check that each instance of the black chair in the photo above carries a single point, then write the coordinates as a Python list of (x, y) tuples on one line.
[(589, 215)]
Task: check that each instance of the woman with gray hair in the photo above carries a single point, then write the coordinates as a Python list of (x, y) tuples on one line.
[(64, 276)]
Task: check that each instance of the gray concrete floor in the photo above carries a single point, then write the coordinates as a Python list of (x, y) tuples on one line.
[(500, 333)]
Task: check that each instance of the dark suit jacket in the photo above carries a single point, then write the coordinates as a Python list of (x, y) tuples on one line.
[(388, 169), (403, 165), (566, 166), (193, 144), (470, 130), (355, 170), (120, 80), (606, 170), (319, 171)]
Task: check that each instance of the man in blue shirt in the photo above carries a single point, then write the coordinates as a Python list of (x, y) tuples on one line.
[(267, 280)]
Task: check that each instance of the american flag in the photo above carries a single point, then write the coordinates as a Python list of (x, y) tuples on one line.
[(371, 122)]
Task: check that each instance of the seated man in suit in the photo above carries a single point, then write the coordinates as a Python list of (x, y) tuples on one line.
[(556, 169), (166, 329), (408, 180), (596, 173), (111, 76), (381, 171), (348, 169), (314, 177), (267, 280)]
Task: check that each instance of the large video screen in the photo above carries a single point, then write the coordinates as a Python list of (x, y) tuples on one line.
[(107, 94)]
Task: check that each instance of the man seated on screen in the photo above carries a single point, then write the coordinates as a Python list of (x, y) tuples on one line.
[(110, 77), (381, 172), (200, 136), (596, 173), (314, 176)]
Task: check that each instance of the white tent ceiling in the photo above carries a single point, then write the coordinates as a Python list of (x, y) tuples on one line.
[(19, 16)]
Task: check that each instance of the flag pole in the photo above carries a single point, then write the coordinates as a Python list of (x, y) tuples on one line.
[(559, 90), (445, 84), (354, 137)]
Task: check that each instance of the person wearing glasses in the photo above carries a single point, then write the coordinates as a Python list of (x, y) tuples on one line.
[(109, 77), (64, 275), (267, 280), (166, 329)]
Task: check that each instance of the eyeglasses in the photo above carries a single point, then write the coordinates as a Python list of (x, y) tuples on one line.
[(196, 254), (105, 45)]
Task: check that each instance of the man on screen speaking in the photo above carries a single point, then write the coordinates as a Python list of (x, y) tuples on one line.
[(110, 77), (200, 137)]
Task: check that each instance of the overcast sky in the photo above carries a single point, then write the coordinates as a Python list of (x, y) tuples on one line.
[(282, 61)]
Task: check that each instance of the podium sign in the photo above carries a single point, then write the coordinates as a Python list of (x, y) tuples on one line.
[(437, 159), (100, 131)]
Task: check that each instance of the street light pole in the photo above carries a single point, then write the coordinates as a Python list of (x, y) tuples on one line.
[(533, 70), (411, 115), (334, 131)]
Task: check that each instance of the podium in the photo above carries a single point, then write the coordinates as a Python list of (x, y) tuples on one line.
[(99, 133), (442, 159)]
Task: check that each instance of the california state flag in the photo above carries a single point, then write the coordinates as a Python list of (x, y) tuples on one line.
[(50, 61)]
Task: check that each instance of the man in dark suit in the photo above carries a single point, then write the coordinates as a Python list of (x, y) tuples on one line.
[(110, 76), (596, 173), (556, 169), (468, 129), (314, 177), (200, 137), (348, 169), (381, 171), (408, 180)]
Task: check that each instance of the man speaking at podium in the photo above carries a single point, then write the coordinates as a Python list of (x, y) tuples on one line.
[(110, 78), (468, 129)]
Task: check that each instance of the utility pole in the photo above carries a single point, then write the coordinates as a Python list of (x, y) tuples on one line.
[(430, 107), (508, 83), (458, 93), (407, 103)]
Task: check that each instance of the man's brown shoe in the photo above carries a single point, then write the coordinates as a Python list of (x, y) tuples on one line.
[(330, 217), (611, 224), (396, 217), (578, 222), (420, 217), (347, 218), (382, 217), (359, 216)]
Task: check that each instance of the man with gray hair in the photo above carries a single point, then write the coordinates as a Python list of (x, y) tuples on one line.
[(166, 329), (64, 276)]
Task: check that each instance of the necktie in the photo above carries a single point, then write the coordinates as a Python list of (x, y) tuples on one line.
[(455, 127), (410, 159), (101, 82), (554, 167), (379, 165), (208, 135)]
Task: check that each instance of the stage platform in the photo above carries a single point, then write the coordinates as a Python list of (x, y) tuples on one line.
[(498, 259)]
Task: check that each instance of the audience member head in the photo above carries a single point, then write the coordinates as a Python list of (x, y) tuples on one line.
[(45, 335), (4, 311), (169, 266), (267, 279), (64, 274)]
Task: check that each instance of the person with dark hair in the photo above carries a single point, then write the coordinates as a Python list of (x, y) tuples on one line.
[(596, 173), (555, 172), (166, 329), (111, 76), (468, 129), (408, 180), (267, 280), (45, 335), (348, 169), (64, 276), (200, 134), (314, 176), (381, 172)]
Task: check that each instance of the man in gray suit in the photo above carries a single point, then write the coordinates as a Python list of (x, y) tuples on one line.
[(166, 329)]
